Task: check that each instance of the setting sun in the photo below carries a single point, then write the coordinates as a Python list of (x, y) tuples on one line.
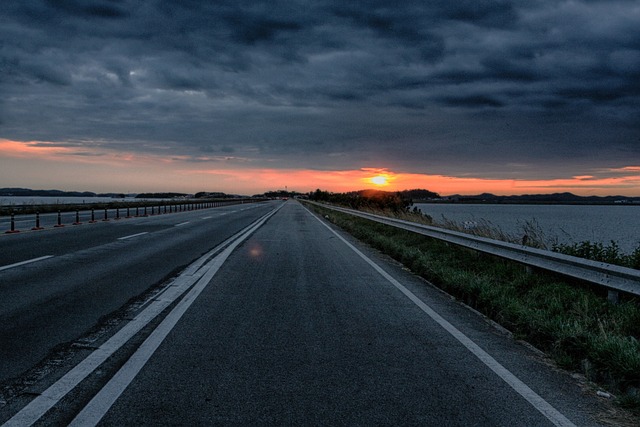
[(379, 180)]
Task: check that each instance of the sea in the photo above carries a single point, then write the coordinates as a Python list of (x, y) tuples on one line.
[(34, 200), (558, 223)]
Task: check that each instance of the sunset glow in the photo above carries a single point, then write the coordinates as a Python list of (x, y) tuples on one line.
[(107, 171), (337, 102)]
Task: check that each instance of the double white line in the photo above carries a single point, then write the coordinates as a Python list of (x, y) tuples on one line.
[(194, 279)]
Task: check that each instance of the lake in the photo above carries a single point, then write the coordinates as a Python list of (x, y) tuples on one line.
[(559, 223)]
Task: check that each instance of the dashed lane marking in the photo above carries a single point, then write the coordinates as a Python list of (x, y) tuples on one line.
[(29, 261), (133, 235)]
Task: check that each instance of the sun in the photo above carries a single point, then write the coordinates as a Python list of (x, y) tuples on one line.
[(380, 180)]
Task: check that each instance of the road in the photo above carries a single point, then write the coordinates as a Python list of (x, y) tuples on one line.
[(83, 273), (291, 322)]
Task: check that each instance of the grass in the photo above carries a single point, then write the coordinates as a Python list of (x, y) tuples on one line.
[(572, 322), (597, 251), (535, 237)]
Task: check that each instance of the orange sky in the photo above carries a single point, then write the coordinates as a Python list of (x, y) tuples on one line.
[(49, 166)]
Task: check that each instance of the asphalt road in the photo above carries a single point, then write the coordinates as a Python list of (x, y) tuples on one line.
[(91, 270), (301, 325)]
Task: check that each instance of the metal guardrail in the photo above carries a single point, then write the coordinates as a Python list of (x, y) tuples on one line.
[(610, 276)]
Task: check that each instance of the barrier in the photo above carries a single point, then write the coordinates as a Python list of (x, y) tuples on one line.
[(612, 277), (163, 208), (12, 230)]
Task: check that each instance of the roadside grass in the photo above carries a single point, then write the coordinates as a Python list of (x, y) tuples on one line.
[(570, 321)]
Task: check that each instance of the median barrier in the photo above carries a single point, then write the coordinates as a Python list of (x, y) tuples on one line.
[(77, 222), (182, 207), (59, 224), (37, 227), (12, 229)]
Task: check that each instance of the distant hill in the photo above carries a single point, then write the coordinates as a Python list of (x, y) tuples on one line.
[(421, 195), (26, 192), (161, 195), (554, 198)]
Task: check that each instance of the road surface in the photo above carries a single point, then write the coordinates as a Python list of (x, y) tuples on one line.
[(293, 323), (73, 276)]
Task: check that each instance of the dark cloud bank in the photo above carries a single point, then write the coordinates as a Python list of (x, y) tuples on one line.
[(523, 89)]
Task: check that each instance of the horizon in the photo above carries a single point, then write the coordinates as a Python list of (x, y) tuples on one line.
[(505, 97), (294, 191)]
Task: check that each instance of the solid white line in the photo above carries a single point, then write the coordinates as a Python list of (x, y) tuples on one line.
[(133, 235), (17, 264), (521, 388), (102, 402), (182, 223), (32, 412)]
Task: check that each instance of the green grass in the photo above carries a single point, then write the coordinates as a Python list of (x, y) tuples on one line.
[(597, 251), (572, 322)]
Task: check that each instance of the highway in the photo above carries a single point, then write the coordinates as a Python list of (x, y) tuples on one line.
[(73, 276), (278, 318)]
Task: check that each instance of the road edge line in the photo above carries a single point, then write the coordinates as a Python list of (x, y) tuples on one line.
[(544, 407)]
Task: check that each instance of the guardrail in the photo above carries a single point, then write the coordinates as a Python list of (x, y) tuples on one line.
[(612, 277), (59, 219)]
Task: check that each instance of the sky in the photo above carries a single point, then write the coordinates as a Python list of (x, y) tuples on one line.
[(465, 96)]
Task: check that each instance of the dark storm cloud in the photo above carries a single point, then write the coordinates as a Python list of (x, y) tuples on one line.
[(492, 88)]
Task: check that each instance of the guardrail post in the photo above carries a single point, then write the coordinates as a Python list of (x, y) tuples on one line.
[(117, 213), (77, 222), (145, 212), (613, 296), (93, 217), (106, 218), (59, 224), (137, 211), (128, 216)]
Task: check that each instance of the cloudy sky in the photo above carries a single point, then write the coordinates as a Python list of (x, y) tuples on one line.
[(465, 96)]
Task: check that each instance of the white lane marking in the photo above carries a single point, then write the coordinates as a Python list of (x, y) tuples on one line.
[(32, 412), (102, 402), (520, 387), (206, 217), (133, 235), (182, 223), (17, 264)]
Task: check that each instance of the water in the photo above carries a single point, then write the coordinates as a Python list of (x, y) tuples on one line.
[(559, 223), (34, 200)]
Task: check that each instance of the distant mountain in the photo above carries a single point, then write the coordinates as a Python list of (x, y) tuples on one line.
[(419, 194), (161, 195), (554, 198), (26, 192)]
